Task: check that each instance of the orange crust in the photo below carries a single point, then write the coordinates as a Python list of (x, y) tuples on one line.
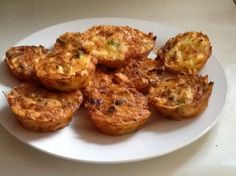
[(22, 59), (69, 41), (113, 46), (186, 53), (142, 73), (41, 110), (115, 109), (65, 71), (181, 97)]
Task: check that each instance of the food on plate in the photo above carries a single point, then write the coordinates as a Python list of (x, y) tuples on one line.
[(113, 46), (181, 97), (116, 109), (110, 66), (21, 61), (42, 110), (186, 53), (143, 72), (69, 41), (66, 71)]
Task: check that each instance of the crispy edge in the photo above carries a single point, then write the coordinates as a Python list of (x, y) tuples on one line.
[(182, 69), (37, 125), (186, 111), (66, 84), (21, 75), (133, 51), (114, 126)]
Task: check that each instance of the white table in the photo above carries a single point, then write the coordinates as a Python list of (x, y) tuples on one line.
[(213, 154)]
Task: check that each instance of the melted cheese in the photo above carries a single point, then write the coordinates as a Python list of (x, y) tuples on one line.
[(173, 93), (110, 48), (187, 51), (69, 65)]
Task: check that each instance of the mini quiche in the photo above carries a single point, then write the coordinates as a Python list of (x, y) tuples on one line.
[(65, 71), (42, 110), (186, 53), (116, 109), (113, 46), (181, 97), (69, 41), (143, 72), (21, 61)]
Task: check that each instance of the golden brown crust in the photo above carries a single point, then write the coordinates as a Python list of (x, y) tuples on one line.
[(66, 71), (181, 97), (186, 53), (69, 41), (113, 46), (143, 72), (115, 109), (41, 110), (99, 80), (21, 61)]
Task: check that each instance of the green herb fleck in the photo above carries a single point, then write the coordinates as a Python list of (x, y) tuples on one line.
[(113, 43), (79, 54)]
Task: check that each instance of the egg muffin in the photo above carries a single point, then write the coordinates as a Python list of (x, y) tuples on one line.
[(116, 109), (22, 59), (143, 72), (181, 97), (186, 53), (42, 110), (113, 46), (66, 71)]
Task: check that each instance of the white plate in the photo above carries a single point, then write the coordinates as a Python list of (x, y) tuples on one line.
[(80, 141)]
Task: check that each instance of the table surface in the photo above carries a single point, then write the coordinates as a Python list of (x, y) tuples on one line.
[(213, 154)]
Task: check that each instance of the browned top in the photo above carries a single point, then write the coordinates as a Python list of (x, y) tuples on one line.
[(21, 60), (64, 65), (116, 43), (114, 103), (143, 72), (180, 90), (69, 41), (186, 53), (36, 103)]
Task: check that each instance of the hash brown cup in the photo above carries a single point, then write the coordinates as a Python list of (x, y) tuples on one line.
[(66, 71), (113, 46), (116, 109), (186, 53), (181, 97), (21, 61), (42, 110)]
